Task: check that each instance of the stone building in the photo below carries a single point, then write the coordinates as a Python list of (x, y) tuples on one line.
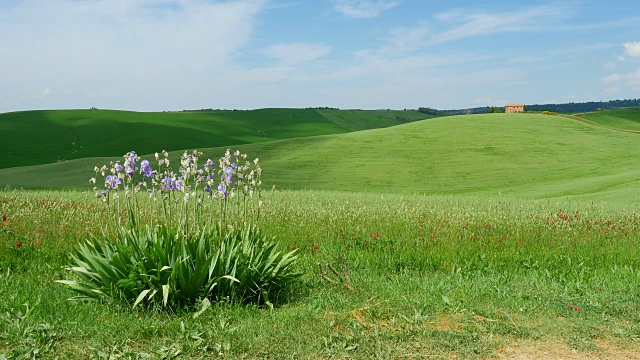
[(514, 108)]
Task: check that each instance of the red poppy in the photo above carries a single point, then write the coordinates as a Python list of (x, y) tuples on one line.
[(4, 217), (18, 244)]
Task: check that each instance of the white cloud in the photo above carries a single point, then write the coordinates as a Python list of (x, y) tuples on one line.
[(296, 53), (133, 50), (632, 49), (363, 8)]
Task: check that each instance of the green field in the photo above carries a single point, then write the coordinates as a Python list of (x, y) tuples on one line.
[(478, 236), (624, 119), (533, 156), (41, 137)]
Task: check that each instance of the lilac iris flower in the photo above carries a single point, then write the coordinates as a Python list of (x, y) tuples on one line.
[(132, 158), (228, 172), (118, 168), (209, 165), (222, 189), (145, 169), (112, 181), (208, 190), (169, 183)]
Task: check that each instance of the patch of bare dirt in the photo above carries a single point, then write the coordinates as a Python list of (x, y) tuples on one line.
[(447, 322), (546, 351)]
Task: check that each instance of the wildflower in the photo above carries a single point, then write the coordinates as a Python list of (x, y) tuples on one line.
[(180, 184), (112, 181), (4, 217), (169, 183), (570, 307), (577, 309), (222, 189), (145, 169), (208, 166), (18, 244)]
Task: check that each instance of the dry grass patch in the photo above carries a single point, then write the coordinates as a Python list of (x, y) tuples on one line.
[(606, 350)]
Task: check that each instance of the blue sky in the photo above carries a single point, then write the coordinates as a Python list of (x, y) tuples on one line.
[(161, 55)]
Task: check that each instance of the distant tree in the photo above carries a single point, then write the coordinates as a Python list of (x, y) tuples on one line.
[(429, 111), (494, 110)]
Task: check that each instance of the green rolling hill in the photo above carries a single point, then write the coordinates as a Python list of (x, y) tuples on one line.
[(41, 137), (525, 155), (623, 119)]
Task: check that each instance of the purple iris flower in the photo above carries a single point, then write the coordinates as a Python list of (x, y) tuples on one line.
[(209, 165), (132, 158), (228, 172), (112, 181), (222, 189), (208, 190), (169, 183), (145, 169), (118, 168)]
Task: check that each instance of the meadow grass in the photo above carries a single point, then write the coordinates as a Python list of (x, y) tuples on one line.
[(49, 136), (433, 276), (463, 235)]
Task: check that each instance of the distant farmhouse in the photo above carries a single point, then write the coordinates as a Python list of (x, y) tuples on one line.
[(514, 108)]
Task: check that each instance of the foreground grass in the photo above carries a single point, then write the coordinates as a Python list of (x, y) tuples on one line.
[(433, 276)]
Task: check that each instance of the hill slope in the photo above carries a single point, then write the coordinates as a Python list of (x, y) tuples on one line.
[(623, 119), (40, 137), (521, 154)]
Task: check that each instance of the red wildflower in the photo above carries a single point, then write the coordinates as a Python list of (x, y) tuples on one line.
[(577, 309), (570, 307), (18, 244), (4, 217)]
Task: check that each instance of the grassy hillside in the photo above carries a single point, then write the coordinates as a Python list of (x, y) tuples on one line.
[(356, 120), (522, 154), (40, 137), (625, 119)]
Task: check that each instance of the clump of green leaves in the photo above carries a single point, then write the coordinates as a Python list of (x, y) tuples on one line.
[(187, 251)]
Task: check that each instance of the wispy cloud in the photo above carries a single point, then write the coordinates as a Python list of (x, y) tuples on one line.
[(466, 23), (364, 8), (632, 79), (296, 53)]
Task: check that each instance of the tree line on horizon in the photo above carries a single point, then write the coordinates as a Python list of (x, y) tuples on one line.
[(559, 108)]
